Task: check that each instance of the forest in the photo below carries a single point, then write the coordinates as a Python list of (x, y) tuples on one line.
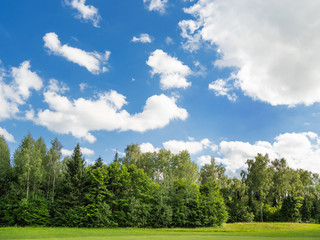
[(40, 188)]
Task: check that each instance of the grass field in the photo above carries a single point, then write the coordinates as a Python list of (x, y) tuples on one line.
[(227, 232)]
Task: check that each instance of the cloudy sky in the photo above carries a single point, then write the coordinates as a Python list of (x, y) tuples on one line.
[(221, 78)]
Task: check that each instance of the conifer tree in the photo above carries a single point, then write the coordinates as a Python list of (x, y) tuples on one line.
[(5, 167)]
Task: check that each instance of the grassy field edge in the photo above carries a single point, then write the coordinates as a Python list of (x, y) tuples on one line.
[(227, 231)]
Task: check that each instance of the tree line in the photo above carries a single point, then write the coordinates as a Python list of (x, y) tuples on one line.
[(160, 189)]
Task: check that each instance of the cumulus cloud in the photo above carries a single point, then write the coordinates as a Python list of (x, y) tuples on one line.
[(87, 151), (15, 88), (189, 32), (173, 73), (175, 146), (7, 136), (192, 146), (56, 86), (143, 38), (85, 12), (148, 147), (94, 62), (222, 88), (156, 5), (105, 112), (301, 150), (84, 151), (270, 43), (204, 159), (66, 152)]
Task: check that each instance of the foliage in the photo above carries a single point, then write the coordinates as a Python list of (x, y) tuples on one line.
[(5, 167), (259, 179), (157, 189), (31, 213)]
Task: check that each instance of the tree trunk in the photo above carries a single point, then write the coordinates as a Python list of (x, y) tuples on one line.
[(34, 189), (28, 182), (48, 187), (261, 211), (53, 185)]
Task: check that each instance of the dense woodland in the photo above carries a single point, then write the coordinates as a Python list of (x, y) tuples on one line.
[(161, 189)]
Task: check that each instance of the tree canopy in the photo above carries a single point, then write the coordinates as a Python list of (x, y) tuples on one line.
[(157, 189)]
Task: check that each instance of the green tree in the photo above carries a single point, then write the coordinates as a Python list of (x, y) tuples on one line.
[(39, 151), (69, 207), (98, 212), (163, 161), (237, 200), (131, 195), (182, 167), (259, 178), (291, 208), (132, 155), (281, 180), (5, 167), (75, 177), (213, 173), (32, 213), (185, 203), (27, 165), (52, 167), (98, 163), (162, 210), (213, 208)]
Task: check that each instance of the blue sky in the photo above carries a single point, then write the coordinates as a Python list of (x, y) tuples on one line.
[(221, 78)]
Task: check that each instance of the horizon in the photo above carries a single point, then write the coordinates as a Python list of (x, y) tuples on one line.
[(218, 78)]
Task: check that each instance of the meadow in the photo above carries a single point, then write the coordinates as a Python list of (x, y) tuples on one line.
[(226, 232)]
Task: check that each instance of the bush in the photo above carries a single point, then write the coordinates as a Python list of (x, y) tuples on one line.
[(32, 212)]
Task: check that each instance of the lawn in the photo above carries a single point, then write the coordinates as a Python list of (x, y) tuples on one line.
[(227, 232)]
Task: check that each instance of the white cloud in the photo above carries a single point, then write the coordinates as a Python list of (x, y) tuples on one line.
[(18, 90), (94, 62), (86, 12), (66, 152), (7, 136), (235, 154), (222, 88), (172, 72), (156, 5), (81, 116), (192, 146), (204, 159), (84, 151), (270, 43), (188, 31), (87, 151), (83, 86), (148, 147), (169, 41), (301, 150), (175, 146), (206, 143), (25, 80), (202, 70), (143, 38), (56, 86)]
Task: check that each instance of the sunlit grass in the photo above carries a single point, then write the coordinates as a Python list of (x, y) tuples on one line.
[(226, 232)]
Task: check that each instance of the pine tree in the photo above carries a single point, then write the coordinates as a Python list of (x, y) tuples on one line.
[(5, 167)]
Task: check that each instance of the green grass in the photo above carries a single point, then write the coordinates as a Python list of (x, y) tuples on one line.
[(227, 232)]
